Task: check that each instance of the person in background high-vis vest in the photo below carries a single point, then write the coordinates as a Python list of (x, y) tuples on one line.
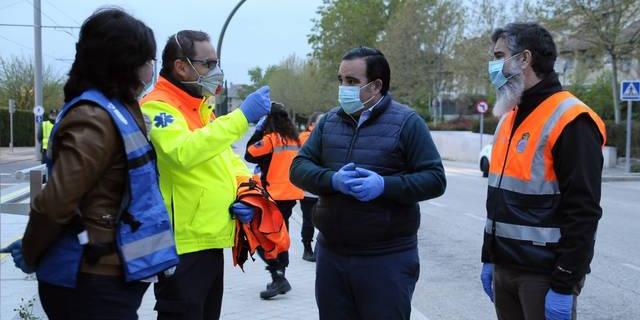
[(543, 201), (45, 132), (309, 202), (199, 172), (273, 146), (77, 240)]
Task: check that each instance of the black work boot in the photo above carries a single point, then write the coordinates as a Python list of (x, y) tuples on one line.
[(279, 285), (308, 252)]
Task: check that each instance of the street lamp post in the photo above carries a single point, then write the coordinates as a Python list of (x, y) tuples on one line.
[(221, 104)]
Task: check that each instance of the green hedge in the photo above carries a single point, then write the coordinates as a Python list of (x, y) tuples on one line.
[(617, 137), (23, 134)]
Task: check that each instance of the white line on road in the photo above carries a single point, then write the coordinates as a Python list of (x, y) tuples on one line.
[(436, 204), (476, 217), (631, 266)]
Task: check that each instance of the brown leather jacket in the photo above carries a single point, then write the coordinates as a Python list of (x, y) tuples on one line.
[(89, 174)]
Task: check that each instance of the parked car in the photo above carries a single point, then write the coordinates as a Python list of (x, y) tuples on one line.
[(484, 159)]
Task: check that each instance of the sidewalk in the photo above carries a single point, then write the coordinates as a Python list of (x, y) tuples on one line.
[(18, 154)]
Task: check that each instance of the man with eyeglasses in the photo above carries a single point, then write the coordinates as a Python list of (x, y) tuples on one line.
[(198, 170)]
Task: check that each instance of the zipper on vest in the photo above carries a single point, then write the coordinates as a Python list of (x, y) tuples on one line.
[(353, 139)]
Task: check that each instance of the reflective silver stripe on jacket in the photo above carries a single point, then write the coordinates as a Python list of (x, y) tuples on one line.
[(147, 245), (286, 148), (537, 235)]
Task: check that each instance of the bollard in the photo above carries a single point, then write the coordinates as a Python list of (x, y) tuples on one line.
[(35, 183)]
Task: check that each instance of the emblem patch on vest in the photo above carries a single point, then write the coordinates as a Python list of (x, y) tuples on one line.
[(162, 120), (522, 144)]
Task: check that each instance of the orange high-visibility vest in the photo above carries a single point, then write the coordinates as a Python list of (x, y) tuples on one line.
[(266, 230), (283, 152), (523, 223)]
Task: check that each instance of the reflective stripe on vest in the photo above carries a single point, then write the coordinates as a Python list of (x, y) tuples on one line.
[(285, 148), (538, 185), (537, 235), (144, 240)]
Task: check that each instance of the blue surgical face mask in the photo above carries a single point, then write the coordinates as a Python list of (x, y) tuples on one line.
[(349, 98), (148, 85), (496, 75)]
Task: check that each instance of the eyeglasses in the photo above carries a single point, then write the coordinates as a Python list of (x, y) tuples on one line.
[(210, 64)]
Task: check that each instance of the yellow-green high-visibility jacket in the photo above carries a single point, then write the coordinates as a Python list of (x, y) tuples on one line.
[(199, 172)]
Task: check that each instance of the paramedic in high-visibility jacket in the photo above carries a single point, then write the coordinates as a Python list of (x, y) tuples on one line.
[(199, 172), (543, 201)]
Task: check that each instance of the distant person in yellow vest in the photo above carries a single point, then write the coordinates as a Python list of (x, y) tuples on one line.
[(45, 132), (543, 201)]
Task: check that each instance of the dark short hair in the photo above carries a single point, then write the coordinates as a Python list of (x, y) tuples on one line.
[(532, 37), (313, 118), (173, 51), (111, 48), (377, 65)]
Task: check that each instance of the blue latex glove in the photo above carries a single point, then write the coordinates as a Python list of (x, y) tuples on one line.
[(261, 123), (339, 179), (558, 306), (486, 276), (256, 104), (243, 212), (368, 186), (16, 253)]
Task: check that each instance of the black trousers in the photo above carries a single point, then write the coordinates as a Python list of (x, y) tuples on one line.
[(94, 298), (307, 205), (282, 261), (365, 287), (521, 295), (194, 291)]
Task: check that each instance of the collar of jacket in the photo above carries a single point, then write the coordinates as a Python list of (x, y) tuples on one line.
[(188, 105), (378, 110)]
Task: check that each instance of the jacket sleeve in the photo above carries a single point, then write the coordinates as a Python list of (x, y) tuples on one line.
[(85, 145), (307, 172), (174, 141), (240, 169), (425, 178), (578, 165)]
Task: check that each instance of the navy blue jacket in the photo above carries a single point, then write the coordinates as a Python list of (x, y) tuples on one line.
[(394, 142)]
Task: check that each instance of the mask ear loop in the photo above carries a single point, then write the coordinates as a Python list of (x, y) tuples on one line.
[(175, 37)]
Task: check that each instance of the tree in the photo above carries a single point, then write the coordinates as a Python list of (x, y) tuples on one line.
[(609, 25), (17, 81), (345, 24)]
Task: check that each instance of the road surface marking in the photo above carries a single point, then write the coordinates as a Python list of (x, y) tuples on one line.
[(476, 217), (436, 204), (631, 266)]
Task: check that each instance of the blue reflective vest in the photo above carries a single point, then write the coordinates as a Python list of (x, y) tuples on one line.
[(144, 238)]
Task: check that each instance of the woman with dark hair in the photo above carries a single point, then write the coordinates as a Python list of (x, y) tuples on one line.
[(273, 146), (99, 227), (309, 202)]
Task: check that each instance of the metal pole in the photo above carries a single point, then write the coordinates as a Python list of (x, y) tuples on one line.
[(481, 129), (628, 147), (12, 110), (37, 39), (221, 105)]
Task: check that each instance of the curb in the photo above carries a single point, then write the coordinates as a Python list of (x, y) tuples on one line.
[(626, 178)]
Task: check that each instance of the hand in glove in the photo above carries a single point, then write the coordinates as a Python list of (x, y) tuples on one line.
[(368, 186), (339, 179), (16, 253), (558, 306), (242, 212), (486, 276), (257, 104)]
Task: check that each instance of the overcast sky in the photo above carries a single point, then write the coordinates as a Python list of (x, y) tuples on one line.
[(262, 32)]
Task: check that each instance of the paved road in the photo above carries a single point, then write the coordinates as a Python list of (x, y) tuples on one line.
[(451, 238)]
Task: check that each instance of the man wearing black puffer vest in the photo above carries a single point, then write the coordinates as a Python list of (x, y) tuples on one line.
[(370, 161)]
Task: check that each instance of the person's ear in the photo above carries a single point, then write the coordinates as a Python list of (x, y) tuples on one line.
[(527, 59)]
